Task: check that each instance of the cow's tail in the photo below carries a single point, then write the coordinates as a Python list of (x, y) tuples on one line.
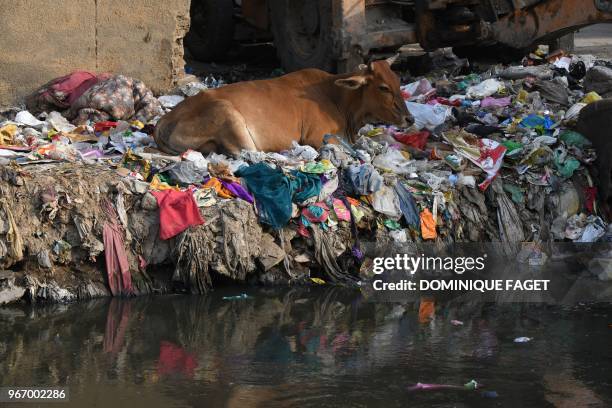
[(162, 135)]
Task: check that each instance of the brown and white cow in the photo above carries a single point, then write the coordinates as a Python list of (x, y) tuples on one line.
[(269, 114)]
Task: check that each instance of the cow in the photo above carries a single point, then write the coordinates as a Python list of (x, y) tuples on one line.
[(268, 115)]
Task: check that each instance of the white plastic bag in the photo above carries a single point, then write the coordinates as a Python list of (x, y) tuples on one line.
[(386, 201), (484, 89), (429, 116), (26, 118), (392, 160), (170, 101), (302, 152)]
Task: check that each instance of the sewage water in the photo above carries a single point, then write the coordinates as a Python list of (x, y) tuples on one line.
[(318, 347)]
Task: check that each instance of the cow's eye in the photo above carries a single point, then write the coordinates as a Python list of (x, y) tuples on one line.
[(384, 88)]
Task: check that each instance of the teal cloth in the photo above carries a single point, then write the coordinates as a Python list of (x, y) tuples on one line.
[(274, 191)]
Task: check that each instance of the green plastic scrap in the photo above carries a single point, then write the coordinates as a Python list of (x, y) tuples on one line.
[(392, 225), (572, 138), (453, 161), (468, 81), (512, 146), (567, 167), (318, 167), (516, 193), (471, 385)]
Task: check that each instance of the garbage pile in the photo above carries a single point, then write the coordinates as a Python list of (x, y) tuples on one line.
[(491, 157)]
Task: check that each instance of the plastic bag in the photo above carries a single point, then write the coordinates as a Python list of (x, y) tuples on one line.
[(393, 160), (27, 119), (484, 89), (414, 90), (60, 123), (385, 201), (490, 102), (591, 97), (429, 116), (302, 152), (574, 111), (170, 101), (572, 138), (416, 139), (484, 153)]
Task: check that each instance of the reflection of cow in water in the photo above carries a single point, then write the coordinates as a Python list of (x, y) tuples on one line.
[(270, 114), (595, 122)]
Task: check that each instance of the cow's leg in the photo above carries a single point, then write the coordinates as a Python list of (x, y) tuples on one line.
[(218, 127), (237, 135)]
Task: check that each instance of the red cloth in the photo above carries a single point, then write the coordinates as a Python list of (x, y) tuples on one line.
[(117, 265), (174, 360), (177, 212), (67, 89), (104, 126), (418, 139), (117, 323), (590, 195)]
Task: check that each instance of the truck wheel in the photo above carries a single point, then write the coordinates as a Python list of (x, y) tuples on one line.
[(212, 29), (303, 33)]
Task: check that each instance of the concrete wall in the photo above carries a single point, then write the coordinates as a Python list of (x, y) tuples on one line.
[(44, 39)]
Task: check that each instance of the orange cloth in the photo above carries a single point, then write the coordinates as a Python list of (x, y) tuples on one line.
[(427, 310), (215, 184), (352, 201), (428, 225)]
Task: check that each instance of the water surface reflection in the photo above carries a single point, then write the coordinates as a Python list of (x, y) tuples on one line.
[(306, 347)]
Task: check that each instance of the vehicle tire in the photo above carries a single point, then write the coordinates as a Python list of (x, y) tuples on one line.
[(212, 29), (302, 32)]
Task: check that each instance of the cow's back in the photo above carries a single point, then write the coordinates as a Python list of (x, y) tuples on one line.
[(280, 110)]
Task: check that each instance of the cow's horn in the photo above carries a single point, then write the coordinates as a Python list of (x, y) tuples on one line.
[(391, 60)]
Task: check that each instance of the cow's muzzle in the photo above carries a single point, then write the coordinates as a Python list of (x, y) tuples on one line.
[(406, 121)]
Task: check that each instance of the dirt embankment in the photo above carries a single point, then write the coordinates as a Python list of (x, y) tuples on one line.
[(52, 219)]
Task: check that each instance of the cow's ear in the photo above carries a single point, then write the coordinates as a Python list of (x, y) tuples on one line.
[(354, 82)]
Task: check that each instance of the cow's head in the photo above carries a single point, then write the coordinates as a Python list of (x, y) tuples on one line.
[(377, 92)]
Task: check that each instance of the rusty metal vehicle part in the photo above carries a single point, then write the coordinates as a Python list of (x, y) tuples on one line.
[(340, 34)]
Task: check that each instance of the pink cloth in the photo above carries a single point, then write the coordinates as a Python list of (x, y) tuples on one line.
[(341, 211), (117, 265), (177, 212), (490, 102)]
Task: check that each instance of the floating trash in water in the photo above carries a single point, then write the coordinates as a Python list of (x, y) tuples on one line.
[(236, 297), (490, 394), (456, 322), (523, 339), (470, 386)]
